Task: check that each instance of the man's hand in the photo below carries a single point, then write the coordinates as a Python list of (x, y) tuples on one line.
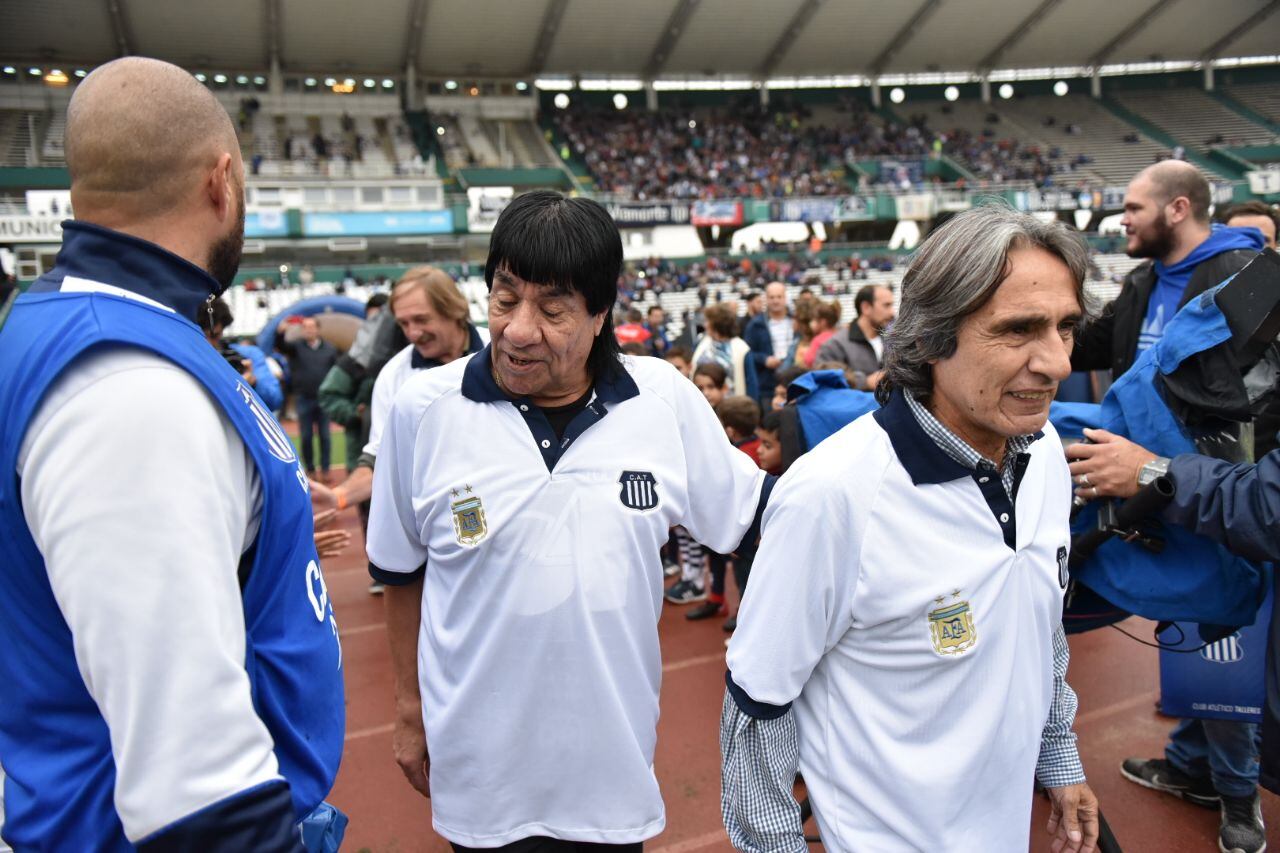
[(247, 373), (772, 361), (331, 542), (1109, 467), (1073, 821), (409, 744), (322, 497)]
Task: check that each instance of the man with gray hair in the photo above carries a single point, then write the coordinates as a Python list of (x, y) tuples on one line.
[(901, 642)]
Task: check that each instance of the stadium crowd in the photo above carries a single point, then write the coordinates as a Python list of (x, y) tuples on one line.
[(747, 151)]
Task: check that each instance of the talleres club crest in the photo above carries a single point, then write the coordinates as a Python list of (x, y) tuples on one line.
[(638, 490)]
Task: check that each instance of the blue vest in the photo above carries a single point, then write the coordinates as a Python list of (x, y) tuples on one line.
[(1193, 579), (53, 740)]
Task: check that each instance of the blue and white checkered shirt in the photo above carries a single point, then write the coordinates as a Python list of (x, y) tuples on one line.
[(761, 757)]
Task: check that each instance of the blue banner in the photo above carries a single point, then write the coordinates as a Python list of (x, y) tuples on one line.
[(1224, 680), (373, 224), (266, 223)]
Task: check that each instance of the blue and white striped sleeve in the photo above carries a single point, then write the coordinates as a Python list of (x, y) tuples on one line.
[(1059, 764), (759, 761)]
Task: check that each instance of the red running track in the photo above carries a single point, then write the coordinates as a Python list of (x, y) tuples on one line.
[(1115, 678)]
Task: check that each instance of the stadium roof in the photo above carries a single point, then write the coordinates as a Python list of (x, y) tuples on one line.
[(639, 38)]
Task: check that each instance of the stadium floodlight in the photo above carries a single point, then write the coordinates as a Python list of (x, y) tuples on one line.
[(439, 130), (620, 101), (219, 78), (369, 84), (242, 80), (693, 125), (259, 81), (1006, 91), (34, 72), (951, 93), (80, 72), (388, 83), (349, 82), (521, 86), (561, 101), (553, 85), (9, 69), (310, 81), (1061, 88), (330, 82), (451, 84), (897, 95), (199, 76)]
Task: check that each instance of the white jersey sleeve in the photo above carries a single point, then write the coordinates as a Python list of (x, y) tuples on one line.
[(723, 483), (389, 380), (142, 498), (799, 602), (394, 542)]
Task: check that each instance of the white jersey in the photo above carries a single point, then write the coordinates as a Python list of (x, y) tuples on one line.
[(393, 374), (538, 654), (915, 643)]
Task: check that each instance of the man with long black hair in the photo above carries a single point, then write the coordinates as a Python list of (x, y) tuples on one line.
[(520, 499)]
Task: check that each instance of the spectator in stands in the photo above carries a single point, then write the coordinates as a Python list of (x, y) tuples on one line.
[(802, 334), (785, 377), (825, 318), (1254, 214), (770, 335), (633, 330), (682, 359), (755, 304), (656, 325), (249, 360), (862, 347), (712, 380), (740, 416), (309, 362), (721, 345), (1166, 219), (769, 453)]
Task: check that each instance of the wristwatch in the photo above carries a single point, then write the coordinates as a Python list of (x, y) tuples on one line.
[(1153, 470)]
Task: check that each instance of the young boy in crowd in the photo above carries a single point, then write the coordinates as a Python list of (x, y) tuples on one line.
[(740, 417), (769, 454), (681, 358), (785, 378)]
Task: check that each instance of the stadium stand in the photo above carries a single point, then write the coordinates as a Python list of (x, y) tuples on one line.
[(1262, 98), (1195, 119), (1082, 127)]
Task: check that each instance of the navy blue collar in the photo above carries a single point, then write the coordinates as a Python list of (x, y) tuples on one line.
[(924, 460), (479, 385), (99, 254), (474, 344)]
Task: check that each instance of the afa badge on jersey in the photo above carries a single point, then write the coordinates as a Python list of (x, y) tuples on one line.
[(951, 627), (469, 523)]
